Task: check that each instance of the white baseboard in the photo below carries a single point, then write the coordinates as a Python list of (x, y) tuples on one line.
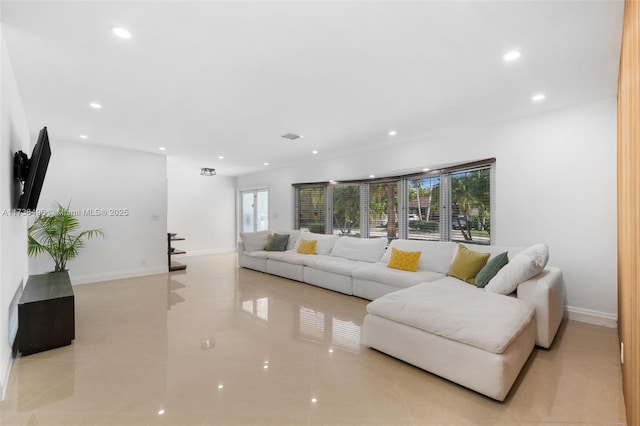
[(211, 251), (4, 378), (92, 278), (591, 317)]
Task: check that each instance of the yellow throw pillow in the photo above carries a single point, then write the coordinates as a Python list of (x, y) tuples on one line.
[(467, 264), (405, 260), (269, 240), (307, 246)]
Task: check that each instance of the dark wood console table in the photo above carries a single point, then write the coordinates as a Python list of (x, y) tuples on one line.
[(46, 313)]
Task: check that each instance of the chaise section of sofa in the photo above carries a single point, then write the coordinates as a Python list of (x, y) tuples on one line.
[(477, 339)]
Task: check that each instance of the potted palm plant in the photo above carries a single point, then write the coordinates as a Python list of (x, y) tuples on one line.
[(57, 233)]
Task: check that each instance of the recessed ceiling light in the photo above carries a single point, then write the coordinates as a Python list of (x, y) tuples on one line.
[(512, 55), (220, 157), (95, 105), (393, 133), (539, 97), (314, 151), (266, 164), (121, 32), (83, 137), (426, 169), (162, 148), (372, 176)]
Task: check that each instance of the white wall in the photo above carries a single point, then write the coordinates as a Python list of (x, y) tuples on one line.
[(103, 179), (201, 209), (555, 183), (14, 136)]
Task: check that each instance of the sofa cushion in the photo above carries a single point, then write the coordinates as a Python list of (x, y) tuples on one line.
[(379, 272), (254, 241), (436, 255), (404, 260), (467, 264), (491, 269), (293, 238), (307, 246), (526, 264), (463, 314), (337, 265), (289, 256), (365, 249), (325, 242), (258, 254)]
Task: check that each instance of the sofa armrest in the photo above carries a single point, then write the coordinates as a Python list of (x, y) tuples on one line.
[(545, 291)]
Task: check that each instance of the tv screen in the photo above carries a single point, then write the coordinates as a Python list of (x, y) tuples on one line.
[(33, 172)]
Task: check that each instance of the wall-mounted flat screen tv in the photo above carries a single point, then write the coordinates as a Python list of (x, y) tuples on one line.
[(32, 171)]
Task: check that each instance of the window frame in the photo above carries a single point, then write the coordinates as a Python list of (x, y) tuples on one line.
[(445, 198), (255, 211)]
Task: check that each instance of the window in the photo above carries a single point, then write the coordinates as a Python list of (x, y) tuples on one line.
[(451, 204), (471, 206), (424, 208), (310, 208), (383, 209), (346, 209), (255, 210)]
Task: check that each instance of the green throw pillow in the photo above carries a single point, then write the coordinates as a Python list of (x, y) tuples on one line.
[(467, 264), (278, 242), (491, 269)]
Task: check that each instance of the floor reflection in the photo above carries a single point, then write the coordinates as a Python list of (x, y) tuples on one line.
[(173, 298), (312, 322), (257, 307), (320, 328)]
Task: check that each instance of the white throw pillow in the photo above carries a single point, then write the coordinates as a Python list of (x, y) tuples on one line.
[(524, 265), (293, 238), (325, 242), (254, 241), (366, 249)]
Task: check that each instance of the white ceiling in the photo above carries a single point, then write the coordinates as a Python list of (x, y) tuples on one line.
[(207, 78)]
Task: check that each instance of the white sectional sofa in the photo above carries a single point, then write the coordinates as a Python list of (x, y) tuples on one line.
[(413, 313)]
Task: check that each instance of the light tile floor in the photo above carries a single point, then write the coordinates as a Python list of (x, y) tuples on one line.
[(218, 345)]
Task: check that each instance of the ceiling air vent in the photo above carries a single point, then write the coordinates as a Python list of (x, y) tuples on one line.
[(291, 136)]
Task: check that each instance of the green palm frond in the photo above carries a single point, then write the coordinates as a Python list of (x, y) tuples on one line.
[(53, 233)]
